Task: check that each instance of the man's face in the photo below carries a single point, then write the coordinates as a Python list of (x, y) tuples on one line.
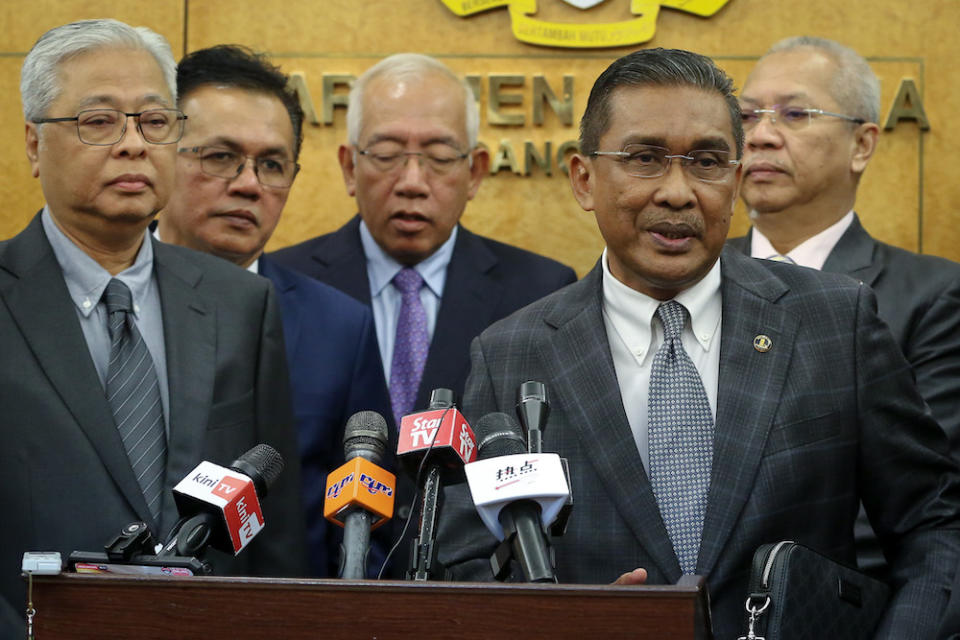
[(229, 217), (412, 209), (662, 234), (813, 169), (97, 191)]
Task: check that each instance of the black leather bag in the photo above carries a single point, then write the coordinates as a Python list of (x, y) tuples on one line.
[(796, 593)]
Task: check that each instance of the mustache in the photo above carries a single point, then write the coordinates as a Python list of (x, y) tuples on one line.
[(674, 221)]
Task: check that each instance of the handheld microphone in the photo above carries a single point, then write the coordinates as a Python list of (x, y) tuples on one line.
[(219, 507), (533, 410), (440, 440), (360, 494), (517, 494)]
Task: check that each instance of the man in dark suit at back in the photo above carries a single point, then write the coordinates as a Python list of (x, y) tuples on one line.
[(237, 162), (412, 162), (811, 108), (709, 403), (125, 361)]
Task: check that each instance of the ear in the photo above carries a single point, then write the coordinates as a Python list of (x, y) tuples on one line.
[(865, 140), (33, 148), (480, 158), (346, 156), (582, 181)]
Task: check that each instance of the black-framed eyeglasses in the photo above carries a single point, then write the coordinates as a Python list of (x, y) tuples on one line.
[(647, 161), (790, 117), (271, 170), (104, 127), (438, 162)]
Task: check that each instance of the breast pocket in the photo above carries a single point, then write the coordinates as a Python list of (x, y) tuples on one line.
[(232, 412), (804, 432)]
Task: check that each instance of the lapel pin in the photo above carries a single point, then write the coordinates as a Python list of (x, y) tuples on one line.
[(762, 343)]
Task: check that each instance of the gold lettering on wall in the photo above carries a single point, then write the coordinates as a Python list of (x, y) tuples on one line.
[(908, 105), (331, 99), (542, 92), (505, 158), (532, 157), (297, 82), (497, 99)]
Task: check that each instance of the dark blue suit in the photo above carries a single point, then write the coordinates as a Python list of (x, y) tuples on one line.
[(486, 281), (335, 371)]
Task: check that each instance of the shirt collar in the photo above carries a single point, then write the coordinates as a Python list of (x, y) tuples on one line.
[(381, 267), (812, 252), (86, 279), (631, 312)]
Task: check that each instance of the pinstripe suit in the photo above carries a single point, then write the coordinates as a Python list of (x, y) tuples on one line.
[(827, 416)]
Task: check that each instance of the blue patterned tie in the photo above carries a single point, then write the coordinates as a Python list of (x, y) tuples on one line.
[(680, 432), (133, 392), (410, 345)]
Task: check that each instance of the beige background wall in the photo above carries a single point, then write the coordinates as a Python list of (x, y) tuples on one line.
[(909, 197)]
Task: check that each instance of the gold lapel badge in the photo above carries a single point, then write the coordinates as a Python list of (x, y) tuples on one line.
[(762, 343)]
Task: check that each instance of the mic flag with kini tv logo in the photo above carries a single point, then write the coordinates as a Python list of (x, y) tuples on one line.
[(497, 482), (359, 483), (234, 496)]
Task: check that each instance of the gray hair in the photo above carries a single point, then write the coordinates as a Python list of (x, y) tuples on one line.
[(408, 65), (656, 68), (40, 78), (855, 86)]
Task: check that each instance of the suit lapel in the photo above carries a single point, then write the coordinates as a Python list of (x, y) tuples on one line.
[(469, 301), (41, 306), (344, 262), (578, 357), (854, 255), (286, 289), (189, 331), (745, 408)]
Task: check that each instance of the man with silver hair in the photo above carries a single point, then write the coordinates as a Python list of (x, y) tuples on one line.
[(126, 361), (810, 113), (412, 163)]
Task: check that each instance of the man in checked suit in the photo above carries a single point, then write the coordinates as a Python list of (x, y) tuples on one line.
[(239, 108), (801, 170), (101, 130), (412, 162), (810, 406)]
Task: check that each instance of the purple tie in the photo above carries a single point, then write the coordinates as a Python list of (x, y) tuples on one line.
[(410, 344)]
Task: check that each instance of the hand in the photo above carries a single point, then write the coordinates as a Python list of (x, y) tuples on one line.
[(637, 576)]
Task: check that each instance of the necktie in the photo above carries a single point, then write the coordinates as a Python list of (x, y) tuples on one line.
[(410, 345), (777, 257), (134, 396), (680, 432)]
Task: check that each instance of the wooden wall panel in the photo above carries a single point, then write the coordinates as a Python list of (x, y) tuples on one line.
[(909, 195)]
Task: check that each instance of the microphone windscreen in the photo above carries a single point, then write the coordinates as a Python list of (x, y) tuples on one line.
[(499, 435), (262, 464), (365, 435)]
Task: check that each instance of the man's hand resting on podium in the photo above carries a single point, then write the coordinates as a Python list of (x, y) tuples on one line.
[(637, 576)]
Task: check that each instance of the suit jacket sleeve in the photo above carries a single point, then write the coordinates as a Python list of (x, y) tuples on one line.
[(282, 552), (908, 481)]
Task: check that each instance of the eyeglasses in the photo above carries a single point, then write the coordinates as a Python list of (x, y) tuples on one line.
[(271, 171), (646, 161), (790, 117), (104, 127), (437, 162)]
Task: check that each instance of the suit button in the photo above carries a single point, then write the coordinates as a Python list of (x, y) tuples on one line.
[(403, 512)]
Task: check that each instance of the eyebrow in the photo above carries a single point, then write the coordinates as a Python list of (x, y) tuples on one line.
[(223, 141), (780, 99), (152, 98), (715, 143), (447, 140)]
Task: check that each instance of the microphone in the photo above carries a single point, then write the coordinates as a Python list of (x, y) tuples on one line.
[(440, 440), (360, 494), (219, 507), (517, 495), (533, 410)]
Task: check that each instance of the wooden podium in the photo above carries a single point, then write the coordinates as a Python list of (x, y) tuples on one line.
[(208, 608)]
